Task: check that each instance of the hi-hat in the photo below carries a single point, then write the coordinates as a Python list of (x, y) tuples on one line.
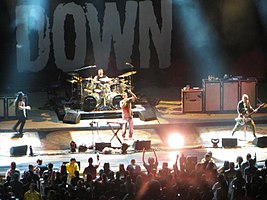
[(128, 74), (105, 79), (71, 81)]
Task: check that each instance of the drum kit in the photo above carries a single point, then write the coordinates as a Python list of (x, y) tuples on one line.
[(104, 94)]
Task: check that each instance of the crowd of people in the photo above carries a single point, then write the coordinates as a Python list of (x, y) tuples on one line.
[(187, 179)]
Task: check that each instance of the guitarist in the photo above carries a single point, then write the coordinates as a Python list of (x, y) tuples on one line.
[(244, 110)]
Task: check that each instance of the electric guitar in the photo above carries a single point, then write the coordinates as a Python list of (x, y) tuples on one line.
[(246, 118)]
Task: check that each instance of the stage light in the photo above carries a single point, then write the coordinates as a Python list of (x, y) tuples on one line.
[(215, 142), (31, 151), (176, 140), (73, 146), (201, 43), (124, 148), (261, 6)]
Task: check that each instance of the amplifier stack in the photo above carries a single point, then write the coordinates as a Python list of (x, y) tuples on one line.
[(218, 95), (7, 107)]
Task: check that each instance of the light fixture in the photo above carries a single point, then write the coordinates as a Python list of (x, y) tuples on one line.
[(215, 142)]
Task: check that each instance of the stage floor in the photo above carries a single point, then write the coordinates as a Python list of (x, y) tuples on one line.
[(50, 138)]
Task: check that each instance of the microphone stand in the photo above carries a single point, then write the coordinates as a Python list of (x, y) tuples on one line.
[(131, 79)]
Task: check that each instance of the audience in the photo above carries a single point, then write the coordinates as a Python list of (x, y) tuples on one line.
[(71, 167), (152, 163), (91, 168), (12, 170), (204, 182)]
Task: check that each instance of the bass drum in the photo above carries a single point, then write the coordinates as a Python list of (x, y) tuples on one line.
[(91, 102), (114, 99)]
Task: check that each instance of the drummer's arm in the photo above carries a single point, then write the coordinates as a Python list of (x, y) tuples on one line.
[(95, 79)]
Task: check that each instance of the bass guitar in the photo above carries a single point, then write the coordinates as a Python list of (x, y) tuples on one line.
[(246, 118)]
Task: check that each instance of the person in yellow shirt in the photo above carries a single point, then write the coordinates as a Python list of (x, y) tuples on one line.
[(32, 194), (71, 167)]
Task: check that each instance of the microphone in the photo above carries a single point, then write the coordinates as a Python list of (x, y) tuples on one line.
[(129, 64)]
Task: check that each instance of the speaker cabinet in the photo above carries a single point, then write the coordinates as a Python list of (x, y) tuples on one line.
[(212, 98), (72, 117), (139, 145), (101, 146), (249, 87), (2, 107), (260, 142), (18, 150), (230, 95), (147, 115), (192, 100), (229, 142)]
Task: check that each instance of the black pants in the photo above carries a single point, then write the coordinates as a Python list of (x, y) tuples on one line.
[(21, 121)]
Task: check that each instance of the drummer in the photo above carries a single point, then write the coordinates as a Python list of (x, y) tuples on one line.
[(100, 75), (101, 82)]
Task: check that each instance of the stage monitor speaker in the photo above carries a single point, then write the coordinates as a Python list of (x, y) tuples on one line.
[(249, 87), (192, 101), (230, 95), (2, 107), (260, 142), (18, 150), (229, 142), (72, 117), (212, 95), (102, 145), (139, 145), (147, 115)]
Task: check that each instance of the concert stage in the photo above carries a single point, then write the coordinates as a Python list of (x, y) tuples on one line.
[(50, 137)]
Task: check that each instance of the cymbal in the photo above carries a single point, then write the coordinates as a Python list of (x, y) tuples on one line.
[(128, 74), (86, 67), (87, 90), (87, 79), (71, 81), (105, 79)]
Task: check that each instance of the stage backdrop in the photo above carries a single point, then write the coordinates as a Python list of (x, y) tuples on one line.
[(166, 41)]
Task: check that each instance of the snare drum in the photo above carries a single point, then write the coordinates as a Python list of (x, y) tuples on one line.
[(97, 87), (91, 102)]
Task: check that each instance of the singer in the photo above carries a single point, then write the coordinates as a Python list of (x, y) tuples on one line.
[(127, 113)]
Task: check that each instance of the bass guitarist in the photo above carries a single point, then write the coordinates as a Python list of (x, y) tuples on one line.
[(245, 110)]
